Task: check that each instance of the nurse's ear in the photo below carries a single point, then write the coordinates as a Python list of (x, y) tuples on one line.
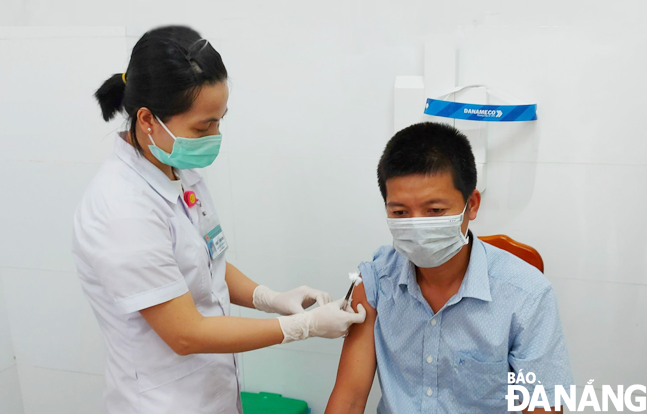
[(473, 205), (146, 120)]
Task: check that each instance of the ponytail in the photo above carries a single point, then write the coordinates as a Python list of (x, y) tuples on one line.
[(110, 96)]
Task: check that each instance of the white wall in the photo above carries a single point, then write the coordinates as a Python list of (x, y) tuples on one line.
[(10, 397), (311, 109), (52, 145)]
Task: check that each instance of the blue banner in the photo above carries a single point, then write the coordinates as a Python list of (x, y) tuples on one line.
[(487, 113)]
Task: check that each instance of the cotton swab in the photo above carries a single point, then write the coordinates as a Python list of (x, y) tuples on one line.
[(355, 279)]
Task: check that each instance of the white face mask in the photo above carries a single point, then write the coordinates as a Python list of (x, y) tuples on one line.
[(428, 241)]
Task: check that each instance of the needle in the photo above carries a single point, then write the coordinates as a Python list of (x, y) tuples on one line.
[(350, 291)]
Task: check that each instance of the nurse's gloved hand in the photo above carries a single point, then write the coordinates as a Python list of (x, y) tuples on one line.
[(290, 302), (327, 321)]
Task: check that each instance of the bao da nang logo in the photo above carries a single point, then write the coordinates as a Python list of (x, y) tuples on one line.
[(519, 397)]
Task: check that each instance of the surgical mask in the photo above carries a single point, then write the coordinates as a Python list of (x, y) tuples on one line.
[(188, 152), (428, 241)]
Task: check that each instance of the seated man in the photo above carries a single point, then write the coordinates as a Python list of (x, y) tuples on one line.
[(448, 316)]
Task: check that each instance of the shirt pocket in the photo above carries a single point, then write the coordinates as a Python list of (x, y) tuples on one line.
[(475, 382)]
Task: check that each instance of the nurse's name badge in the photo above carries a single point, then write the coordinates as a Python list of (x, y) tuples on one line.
[(216, 242), (209, 226), (213, 236)]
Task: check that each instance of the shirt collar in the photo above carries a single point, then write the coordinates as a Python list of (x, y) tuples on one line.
[(149, 172), (476, 283), (407, 275), (188, 177)]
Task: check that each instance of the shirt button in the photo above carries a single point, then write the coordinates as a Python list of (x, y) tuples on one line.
[(429, 392), (430, 359), (433, 322)]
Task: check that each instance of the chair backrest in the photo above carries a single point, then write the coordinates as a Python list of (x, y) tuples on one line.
[(522, 251)]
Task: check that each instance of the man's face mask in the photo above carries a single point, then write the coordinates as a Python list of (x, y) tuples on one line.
[(428, 241)]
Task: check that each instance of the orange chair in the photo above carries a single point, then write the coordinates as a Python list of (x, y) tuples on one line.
[(522, 251)]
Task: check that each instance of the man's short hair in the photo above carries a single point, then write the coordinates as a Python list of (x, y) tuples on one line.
[(429, 148)]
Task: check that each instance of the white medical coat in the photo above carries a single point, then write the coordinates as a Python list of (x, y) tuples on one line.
[(136, 245)]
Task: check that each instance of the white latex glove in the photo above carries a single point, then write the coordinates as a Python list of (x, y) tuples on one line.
[(290, 302), (327, 321)]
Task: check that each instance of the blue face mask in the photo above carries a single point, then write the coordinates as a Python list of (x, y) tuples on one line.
[(188, 152)]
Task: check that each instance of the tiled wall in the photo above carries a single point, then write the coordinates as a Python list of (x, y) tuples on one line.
[(310, 111)]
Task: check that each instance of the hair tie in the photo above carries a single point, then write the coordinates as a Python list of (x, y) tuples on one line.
[(123, 77), (190, 54)]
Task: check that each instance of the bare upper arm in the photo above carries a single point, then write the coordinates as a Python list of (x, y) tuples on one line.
[(174, 321), (357, 364)]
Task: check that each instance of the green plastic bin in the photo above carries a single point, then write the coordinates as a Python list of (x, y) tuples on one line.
[(268, 403)]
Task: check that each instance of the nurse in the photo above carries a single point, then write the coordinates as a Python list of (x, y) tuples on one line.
[(150, 251)]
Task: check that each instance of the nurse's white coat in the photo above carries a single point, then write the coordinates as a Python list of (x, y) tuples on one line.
[(136, 245)]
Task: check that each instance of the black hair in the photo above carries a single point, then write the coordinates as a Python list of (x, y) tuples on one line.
[(168, 67), (429, 148)]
